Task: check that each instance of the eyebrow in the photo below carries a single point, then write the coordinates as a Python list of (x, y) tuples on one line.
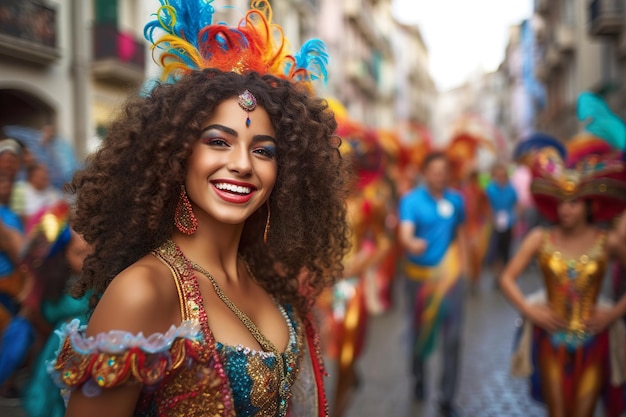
[(232, 132)]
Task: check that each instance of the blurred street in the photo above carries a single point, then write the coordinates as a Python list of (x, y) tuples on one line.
[(485, 387)]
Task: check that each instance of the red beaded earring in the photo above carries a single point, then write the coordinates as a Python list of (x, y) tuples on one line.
[(184, 219)]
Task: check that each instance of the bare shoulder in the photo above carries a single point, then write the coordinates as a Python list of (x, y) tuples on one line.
[(534, 238), (141, 298)]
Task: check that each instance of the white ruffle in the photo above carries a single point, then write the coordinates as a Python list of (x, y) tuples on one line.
[(117, 341)]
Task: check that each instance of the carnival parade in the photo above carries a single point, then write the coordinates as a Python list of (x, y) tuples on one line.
[(280, 208)]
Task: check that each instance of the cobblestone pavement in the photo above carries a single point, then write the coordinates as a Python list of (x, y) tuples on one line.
[(485, 388)]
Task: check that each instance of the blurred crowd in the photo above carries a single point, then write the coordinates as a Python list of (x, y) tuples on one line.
[(388, 168), (437, 219), (39, 256)]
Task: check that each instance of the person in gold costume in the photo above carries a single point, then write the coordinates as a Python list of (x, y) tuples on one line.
[(569, 345), (346, 307)]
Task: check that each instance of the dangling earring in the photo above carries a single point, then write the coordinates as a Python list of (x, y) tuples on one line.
[(184, 219), (267, 224)]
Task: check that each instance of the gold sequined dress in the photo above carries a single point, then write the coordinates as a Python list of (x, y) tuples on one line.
[(572, 365), (572, 286)]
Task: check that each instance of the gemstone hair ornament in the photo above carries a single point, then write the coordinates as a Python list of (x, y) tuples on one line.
[(247, 102), (188, 40)]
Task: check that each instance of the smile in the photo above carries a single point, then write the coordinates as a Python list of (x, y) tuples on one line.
[(237, 189), (234, 193)]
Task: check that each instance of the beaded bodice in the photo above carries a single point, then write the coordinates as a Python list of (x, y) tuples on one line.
[(185, 371), (573, 284), (253, 373)]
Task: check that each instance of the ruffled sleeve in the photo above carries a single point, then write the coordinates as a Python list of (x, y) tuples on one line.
[(116, 357)]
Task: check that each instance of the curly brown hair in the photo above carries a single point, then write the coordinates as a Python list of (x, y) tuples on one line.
[(128, 191)]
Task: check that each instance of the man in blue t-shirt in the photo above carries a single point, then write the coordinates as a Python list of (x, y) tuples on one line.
[(431, 216), (503, 201)]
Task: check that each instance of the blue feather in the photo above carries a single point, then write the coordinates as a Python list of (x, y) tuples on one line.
[(313, 57), (188, 19), (601, 121)]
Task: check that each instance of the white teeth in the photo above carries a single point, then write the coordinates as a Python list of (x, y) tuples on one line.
[(232, 188)]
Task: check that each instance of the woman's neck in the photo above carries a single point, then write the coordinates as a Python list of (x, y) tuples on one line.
[(574, 231), (213, 246)]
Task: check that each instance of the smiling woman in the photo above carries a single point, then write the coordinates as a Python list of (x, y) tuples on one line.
[(215, 207)]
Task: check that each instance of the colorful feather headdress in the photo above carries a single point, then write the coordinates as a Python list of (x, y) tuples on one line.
[(462, 152), (585, 168), (189, 40)]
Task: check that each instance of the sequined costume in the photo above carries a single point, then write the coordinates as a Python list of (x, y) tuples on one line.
[(572, 362), (363, 291), (185, 371), (571, 369), (477, 227)]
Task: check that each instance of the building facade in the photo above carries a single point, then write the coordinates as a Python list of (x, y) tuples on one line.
[(72, 63), (415, 91), (69, 64), (357, 33), (578, 43)]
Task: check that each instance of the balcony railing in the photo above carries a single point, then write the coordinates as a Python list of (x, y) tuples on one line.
[(28, 31), (117, 57), (606, 17)]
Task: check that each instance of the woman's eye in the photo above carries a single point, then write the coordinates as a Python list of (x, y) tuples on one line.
[(216, 142), (266, 151)]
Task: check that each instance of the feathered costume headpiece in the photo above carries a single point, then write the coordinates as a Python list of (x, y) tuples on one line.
[(462, 152), (190, 41), (360, 142), (586, 168)]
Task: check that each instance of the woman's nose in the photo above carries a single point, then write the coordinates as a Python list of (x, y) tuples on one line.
[(240, 162)]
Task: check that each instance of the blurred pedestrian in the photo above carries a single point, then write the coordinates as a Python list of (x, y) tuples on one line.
[(431, 216), (18, 199), (503, 201), (477, 226), (49, 149), (357, 296), (55, 256), (14, 329), (570, 345), (10, 162), (48, 154), (38, 192)]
